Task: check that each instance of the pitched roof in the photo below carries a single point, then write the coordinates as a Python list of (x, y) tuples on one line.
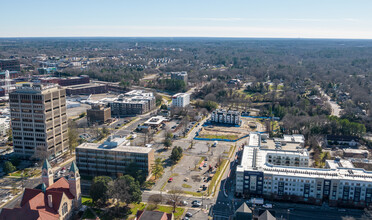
[(266, 216), (34, 206), (244, 208), (46, 165), (73, 167), (153, 215), (61, 185)]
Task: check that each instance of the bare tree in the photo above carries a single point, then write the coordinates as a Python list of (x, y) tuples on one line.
[(155, 199), (175, 197)]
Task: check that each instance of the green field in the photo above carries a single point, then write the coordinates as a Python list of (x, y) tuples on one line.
[(227, 137)]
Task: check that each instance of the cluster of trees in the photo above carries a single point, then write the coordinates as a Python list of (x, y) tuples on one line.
[(124, 189), (171, 85)]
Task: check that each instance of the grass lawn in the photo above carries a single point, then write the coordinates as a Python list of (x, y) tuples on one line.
[(228, 137), (136, 207), (201, 160), (186, 186), (193, 193), (88, 215), (216, 176), (86, 201), (169, 209)]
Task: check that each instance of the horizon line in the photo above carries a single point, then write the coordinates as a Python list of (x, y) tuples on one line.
[(213, 37)]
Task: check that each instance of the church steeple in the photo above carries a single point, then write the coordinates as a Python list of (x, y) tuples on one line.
[(74, 182), (47, 174)]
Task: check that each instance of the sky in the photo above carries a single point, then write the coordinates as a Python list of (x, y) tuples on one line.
[(188, 18)]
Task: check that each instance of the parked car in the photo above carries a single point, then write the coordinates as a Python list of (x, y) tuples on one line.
[(170, 180), (196, 203), (188, 214), (184, 203)]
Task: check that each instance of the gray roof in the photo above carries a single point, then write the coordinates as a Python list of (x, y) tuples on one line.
[(151, 215)]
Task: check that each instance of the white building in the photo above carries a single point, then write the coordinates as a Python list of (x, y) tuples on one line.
[(4, 125), (181, 100), (339, 183), (226, 117)]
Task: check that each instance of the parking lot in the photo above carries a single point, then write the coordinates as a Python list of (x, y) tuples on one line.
[(192, 171)]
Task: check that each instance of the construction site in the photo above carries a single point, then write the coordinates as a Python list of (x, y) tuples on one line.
[(223, 132)]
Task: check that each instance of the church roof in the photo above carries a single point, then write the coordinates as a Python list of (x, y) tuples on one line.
[(46, 165), (73, 167)]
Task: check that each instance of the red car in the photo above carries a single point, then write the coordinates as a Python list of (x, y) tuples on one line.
[(170, 180)]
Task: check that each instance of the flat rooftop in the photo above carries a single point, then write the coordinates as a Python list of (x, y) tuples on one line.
[(120, 148), (86, 85), (270, 144)]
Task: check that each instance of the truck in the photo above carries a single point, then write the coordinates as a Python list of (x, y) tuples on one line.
[(267, 206), (256, 201)]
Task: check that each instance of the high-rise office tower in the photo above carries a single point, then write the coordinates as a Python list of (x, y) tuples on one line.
[(39, 120)]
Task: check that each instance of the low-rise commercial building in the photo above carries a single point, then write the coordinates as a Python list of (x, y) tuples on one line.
[(180, 100), (86, 89), (132, 103), (226, 117), (355, 153), (155, 122), (112, 158), (339, 184), (98, 114)]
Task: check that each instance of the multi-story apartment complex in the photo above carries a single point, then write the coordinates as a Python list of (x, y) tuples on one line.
[(112, 158), (180, 100), (339, 184), (10, 64), (98, 114), (179, 76), (132, 103), (226, 117), (39, 120)]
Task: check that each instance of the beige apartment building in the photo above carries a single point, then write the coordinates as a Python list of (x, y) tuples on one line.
[(39, 120)]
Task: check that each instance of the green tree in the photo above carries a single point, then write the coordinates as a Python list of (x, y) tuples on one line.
[(72, 138), (125, 189), (134, 171), (99, 190), (164, 106), (9, 133), (176, 154), (168, 136), (157, 167), (9, 167)]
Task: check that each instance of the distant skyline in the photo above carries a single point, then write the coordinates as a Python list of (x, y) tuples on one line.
[(344, 19)]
